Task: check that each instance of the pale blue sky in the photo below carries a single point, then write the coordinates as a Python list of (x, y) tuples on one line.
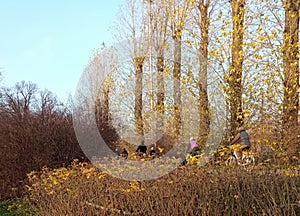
[(50, 42)]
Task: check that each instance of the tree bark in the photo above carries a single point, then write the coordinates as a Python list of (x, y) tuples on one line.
[(202, 84), (236, 67), (138, 92), (177, 76), (160, 105), (290, 117), (106, 104)]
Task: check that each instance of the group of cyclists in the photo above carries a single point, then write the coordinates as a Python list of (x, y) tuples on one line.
[(141, 151), (241, 138)]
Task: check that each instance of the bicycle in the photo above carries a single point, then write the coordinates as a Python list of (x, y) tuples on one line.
[(247, 157)]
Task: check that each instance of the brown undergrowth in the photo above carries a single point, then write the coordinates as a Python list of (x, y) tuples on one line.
[(83, 190)]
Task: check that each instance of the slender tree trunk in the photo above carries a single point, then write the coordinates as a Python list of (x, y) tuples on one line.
[(106, 105), (138, 92), (98, 110), (177, 76), (202, 84), (290, 118), (160, 105), (236, 67)]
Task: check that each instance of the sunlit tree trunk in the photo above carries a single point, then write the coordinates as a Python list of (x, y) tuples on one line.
[(236, 67), (290, 103), (202, 84)]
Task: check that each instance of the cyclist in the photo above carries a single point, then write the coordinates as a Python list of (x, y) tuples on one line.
[(152, 152), (241, 138), (194, 146), (194, 149), (141, 149), (124, 153)]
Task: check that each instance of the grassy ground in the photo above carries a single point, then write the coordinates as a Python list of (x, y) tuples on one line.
[(17, 208)]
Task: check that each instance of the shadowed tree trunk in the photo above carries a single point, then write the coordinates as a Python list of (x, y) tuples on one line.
[(290, 104), (106, 104), (138, 92), (161, 16), (179, 11), (177, 76), (202, 84), (160, 105)]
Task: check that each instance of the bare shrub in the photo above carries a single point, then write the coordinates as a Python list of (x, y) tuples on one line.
[(35, 131), (82, 190)]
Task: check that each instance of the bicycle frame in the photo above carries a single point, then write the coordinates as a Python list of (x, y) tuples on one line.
[(246, 159)]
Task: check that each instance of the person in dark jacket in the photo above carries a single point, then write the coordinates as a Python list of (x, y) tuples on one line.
[(124, 153), (117, 152), (241, 138), (152, 153), (141, 149)]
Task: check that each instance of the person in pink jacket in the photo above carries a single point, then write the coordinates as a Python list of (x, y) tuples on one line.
[(194, 149), (194, 146)]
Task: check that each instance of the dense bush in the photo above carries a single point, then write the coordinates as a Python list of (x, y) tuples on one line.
[(35, 130)]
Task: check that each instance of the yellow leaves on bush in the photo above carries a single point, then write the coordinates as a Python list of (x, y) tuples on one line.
[(89, 172), (101, 175), (50, 181), (235, 147), (32, 175), (160, 149), (51, 192), (134, 186), (291, 173), (193, 160)]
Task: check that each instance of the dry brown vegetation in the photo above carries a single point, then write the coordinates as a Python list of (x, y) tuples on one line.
[(82, 190), (35, 131), (251, 66)]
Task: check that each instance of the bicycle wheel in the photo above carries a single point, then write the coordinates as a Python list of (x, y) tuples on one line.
[(248, 160), (231, 161)]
